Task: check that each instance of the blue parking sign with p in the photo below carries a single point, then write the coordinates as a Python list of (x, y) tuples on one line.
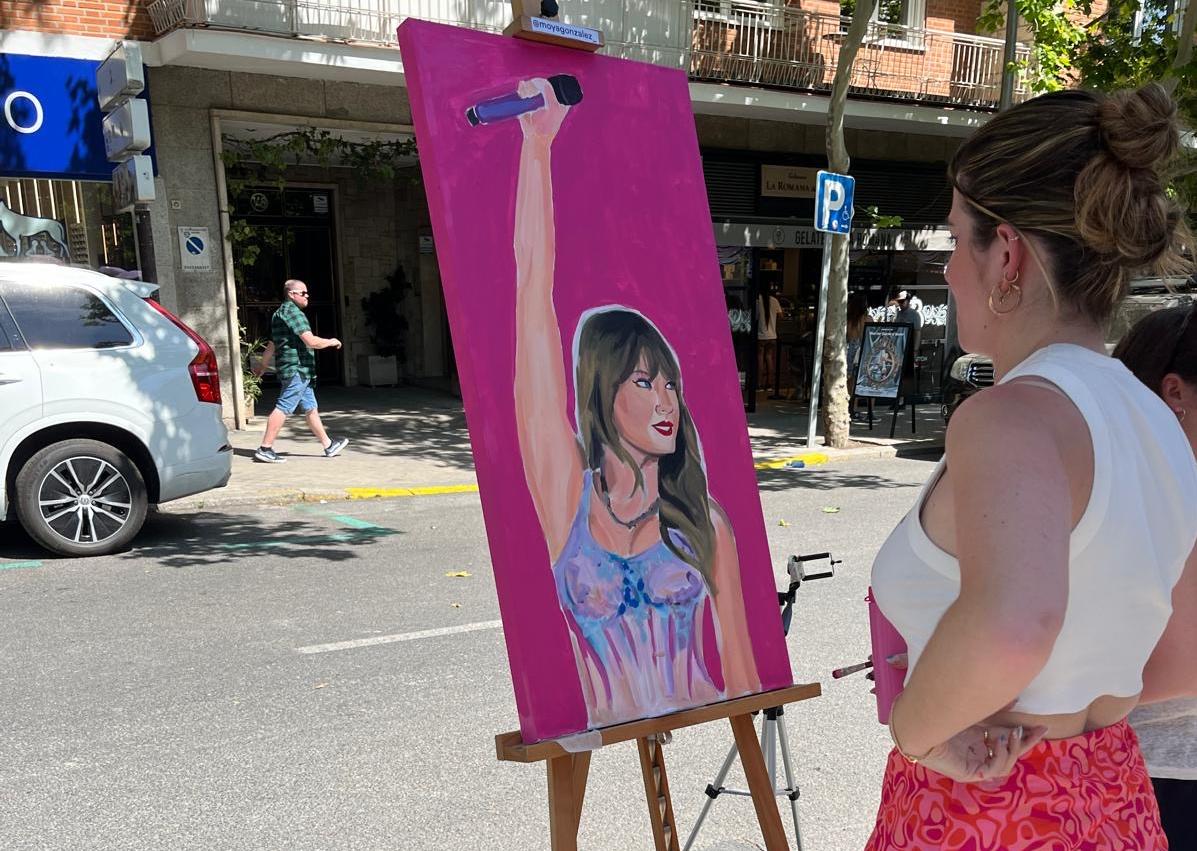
[(833, 202)]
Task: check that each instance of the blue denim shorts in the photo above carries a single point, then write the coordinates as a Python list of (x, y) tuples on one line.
[(296, 393)]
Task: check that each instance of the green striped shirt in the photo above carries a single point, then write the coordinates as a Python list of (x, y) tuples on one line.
[(292, 356)]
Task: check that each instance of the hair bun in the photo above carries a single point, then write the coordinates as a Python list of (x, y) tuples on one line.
[(1140, 127)]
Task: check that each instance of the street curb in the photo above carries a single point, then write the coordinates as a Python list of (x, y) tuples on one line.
[(215, 499)]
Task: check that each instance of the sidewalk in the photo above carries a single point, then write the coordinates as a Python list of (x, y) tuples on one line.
[(411, 441)]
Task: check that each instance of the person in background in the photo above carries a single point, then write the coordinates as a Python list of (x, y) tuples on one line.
[(1033, 578), (293, 346), (911, 314), (858, 315), (1161, 350), (768, 309)]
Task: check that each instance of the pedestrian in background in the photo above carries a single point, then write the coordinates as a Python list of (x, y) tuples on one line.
[(1161, 350), (293, 348), (911, 314), (1034, 576), (858, 315), (768, 309)]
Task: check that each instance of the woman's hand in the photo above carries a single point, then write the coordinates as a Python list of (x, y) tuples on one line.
[(982, 752), (542, 123)]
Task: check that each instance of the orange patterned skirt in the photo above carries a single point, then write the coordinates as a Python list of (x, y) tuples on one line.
[(1086, 793)]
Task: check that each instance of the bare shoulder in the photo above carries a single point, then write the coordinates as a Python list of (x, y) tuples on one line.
[(1007, 423), (720, 522)]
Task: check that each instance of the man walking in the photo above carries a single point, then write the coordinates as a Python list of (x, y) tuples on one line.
[(293, 346)]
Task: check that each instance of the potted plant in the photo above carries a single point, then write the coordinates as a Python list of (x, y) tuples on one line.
[(251, 381), (383, 310)]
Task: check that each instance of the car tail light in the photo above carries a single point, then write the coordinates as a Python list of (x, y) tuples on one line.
[(205, 373)]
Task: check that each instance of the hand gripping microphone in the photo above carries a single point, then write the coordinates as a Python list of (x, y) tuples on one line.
[(565, 88)]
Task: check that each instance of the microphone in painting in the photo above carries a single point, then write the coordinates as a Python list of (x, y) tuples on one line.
[(565, 87)]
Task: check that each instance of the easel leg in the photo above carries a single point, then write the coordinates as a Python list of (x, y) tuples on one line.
[(759, 783), (567, 788), (656, 789)]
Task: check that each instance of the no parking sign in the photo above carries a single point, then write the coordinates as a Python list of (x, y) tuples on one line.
[(195, 252)]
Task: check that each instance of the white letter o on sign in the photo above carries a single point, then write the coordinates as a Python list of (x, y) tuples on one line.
[(37, 108)]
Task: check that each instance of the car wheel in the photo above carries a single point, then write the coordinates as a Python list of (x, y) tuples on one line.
[(81, 498)]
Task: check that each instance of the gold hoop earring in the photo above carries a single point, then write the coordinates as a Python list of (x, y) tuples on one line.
[(1181, 413), (1014, 290), (1012, 281)]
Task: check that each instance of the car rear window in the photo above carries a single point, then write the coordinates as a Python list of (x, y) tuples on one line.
[(58, 316)]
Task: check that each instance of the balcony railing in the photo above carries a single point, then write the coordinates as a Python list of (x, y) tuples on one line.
[(755, 42)]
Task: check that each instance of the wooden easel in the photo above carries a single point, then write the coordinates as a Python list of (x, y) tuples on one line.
[(568, 771)]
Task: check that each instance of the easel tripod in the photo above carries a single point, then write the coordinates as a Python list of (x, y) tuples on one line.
[(773, 732), (773, 728)]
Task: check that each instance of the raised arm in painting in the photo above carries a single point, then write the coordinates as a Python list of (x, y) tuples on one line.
[(548, 446)]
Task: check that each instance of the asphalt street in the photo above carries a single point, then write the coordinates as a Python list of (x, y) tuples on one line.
[(331, 676)]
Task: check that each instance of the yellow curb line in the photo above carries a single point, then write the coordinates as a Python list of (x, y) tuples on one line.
[(810, 459), (378, 493)]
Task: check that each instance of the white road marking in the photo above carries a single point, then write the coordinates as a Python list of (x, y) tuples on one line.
[(403, 636)]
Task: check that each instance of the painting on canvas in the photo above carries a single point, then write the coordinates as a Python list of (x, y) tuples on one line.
[(591, 337)]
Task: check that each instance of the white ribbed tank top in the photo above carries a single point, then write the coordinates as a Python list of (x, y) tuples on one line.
[(1126, 553)]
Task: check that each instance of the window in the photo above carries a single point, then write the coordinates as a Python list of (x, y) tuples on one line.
[(52, 316), (745, 13), (903, 16)]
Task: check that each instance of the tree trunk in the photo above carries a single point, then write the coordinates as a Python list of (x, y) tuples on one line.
[(834, 391), (1184, 50)]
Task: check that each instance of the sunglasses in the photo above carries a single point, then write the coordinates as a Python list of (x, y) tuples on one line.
[(304, 293), (1180, 337)]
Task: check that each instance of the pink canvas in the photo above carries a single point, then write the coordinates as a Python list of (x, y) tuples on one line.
[(577, 257)]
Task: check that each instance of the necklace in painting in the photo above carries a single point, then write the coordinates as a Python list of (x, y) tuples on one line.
[(635, 521)]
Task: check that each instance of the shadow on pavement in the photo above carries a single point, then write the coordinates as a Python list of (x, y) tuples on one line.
[(205, 539), (824, 479), (387, 421), (16, 546), (211, 538)]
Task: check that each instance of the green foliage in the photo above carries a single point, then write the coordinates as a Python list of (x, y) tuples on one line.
[(383, 310), (1057, 37), (876, 220), (1132, 43), (251, 383), (266, 161)]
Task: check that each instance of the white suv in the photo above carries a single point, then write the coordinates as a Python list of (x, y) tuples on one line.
[(108, 403)]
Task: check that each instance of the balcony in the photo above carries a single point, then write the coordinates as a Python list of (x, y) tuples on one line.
[(746, 42)]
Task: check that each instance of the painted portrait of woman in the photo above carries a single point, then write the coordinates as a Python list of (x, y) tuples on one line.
[(644, 560)]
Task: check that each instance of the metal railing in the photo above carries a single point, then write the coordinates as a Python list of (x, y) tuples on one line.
[(754, 42), (787, 47)]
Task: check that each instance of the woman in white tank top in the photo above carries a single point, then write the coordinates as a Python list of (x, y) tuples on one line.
[(1033, 579), (1161, 350)]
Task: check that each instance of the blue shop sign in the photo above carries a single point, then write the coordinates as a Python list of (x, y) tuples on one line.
[(50, 121)]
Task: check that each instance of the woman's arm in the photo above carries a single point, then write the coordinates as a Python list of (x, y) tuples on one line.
[(1013, 505), (735, 649), (548, 446), (1171, 671)]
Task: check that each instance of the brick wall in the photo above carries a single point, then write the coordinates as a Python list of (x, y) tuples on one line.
[(100, 18)]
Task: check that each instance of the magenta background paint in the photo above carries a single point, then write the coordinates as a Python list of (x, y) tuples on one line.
[(633, 228)]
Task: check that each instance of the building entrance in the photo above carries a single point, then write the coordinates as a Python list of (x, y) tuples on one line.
[(281, 234)]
